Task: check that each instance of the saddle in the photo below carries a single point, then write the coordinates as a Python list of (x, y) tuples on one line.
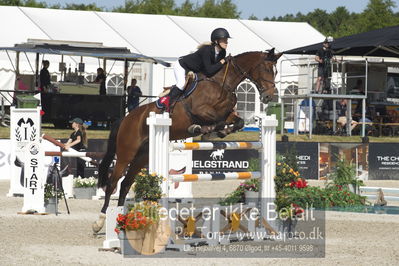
[(190, 77), (189, 86)]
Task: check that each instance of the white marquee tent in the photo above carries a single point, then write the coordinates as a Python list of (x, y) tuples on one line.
[(160, 36)]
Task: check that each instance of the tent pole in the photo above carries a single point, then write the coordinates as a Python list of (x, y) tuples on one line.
[(37, 71), (125, 75), (17, 64)]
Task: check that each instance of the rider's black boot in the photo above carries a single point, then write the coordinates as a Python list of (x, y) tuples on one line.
[(174, 94)]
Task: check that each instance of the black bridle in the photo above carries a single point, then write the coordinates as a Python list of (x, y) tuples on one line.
[(245, 74)]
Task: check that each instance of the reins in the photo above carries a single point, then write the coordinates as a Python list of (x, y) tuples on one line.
[(225, 73)]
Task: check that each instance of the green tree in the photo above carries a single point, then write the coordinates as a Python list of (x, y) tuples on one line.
[(320, 20), (88, 7), (162, 7), (11, 2), (378, 14), (187, 9), (342, 22), (253, 17), (218, 9), (28, 3), (209, 8), (33, 3)]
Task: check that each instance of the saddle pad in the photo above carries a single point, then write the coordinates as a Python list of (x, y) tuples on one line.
[(163, 102)]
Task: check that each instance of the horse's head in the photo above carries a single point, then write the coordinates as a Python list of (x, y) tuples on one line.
[(264, 73)]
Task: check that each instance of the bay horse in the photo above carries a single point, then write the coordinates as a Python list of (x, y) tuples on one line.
[(209, 107)]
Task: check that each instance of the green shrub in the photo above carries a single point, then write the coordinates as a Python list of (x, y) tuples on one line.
[(320, 198), (345, 174), (147, 186)]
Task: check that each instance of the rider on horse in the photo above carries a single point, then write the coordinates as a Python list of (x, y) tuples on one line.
[(208, 60)]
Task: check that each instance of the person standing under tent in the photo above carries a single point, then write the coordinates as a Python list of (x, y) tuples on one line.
[(133, 95), (324, 56), (44, 78), (100, 79)]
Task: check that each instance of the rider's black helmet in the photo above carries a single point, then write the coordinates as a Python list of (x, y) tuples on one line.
[(219, 33)]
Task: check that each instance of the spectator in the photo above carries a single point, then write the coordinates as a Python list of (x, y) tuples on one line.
[(358, 89), (100, 79), (133, 95), (324, 56), (78, 141), (342, 116), (45, 82)]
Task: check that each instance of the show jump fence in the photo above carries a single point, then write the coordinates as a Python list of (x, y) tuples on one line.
[(159, 148)]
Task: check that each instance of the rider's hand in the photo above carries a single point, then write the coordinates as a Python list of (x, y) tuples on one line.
[(222, 61)]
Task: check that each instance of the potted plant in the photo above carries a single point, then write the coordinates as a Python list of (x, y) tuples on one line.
[(251, 190), (139, 225), (50, 198), (247, 191), (287, 179), (84, 188)]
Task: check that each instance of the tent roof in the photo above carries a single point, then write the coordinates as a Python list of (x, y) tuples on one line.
[(243, 39), (160, 36), (72, 25), (382, 42), (155, 35), (103, 52), (284, 35), (20, 29)]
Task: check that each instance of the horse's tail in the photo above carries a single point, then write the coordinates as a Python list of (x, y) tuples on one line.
[(103, 179)]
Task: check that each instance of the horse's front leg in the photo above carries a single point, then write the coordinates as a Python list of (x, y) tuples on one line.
[(236, 121), (233, 123)]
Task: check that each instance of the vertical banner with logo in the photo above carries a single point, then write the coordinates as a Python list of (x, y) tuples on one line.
[(307, 155), (383, 161), (24, 129), (34, 178)]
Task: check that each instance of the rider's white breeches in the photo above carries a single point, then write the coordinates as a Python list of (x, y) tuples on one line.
[(180, 75)]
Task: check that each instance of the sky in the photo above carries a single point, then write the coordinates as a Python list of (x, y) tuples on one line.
[(259, 8)]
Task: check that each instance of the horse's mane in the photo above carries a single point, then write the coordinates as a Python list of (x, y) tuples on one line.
[(267, 53), (246, 53)]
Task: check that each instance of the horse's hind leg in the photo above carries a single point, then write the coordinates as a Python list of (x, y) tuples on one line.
[(116, 175), (135, 166)]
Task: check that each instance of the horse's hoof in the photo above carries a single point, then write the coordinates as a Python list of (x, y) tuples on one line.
[(96, 228), (194, 129), (99, 224), (221, 134)]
